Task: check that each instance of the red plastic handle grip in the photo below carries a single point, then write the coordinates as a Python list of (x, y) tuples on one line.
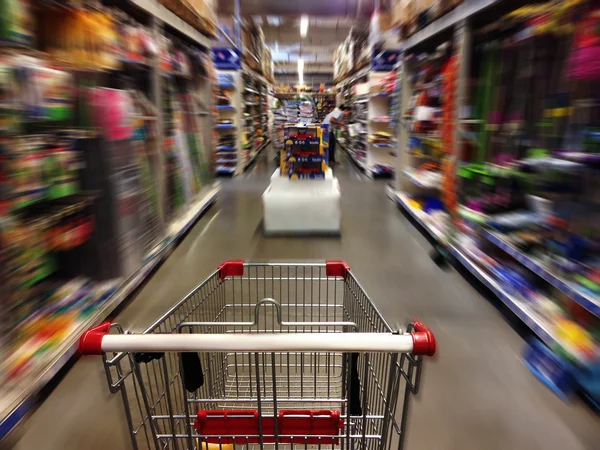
[(90, 342), (423, 340), (232, 268)]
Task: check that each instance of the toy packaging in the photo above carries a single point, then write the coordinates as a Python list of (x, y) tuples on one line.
[(304, 155)]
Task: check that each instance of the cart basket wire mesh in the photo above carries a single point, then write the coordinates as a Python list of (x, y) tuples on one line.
[(266, 355)]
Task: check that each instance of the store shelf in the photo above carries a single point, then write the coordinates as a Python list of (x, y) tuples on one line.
[(461, 12), (360, 164), (154, 8), (255, 155), (225, 148), (384, 145), (251, 91), (354, 76), (378, 171), (417, 182), (519, 308), (589, 302), (180, 227), (19, 399), (419, 216), (580, 157), (249, 71)]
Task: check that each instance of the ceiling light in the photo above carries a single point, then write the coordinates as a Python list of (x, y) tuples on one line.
[(303, 25)]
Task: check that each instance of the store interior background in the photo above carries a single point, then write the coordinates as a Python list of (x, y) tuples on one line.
[(137, 138)]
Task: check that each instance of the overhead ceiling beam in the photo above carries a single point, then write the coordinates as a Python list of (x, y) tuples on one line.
[(284, 35), (322, 8)]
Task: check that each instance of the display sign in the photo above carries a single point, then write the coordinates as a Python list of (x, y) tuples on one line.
[(227, 58), (386, 60)]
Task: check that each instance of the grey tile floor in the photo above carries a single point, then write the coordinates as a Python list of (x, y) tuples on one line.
[(476, 393)]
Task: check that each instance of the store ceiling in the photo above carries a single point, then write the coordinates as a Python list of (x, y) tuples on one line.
[(282, 36), (330, 21), (320, 8), (317, 48)]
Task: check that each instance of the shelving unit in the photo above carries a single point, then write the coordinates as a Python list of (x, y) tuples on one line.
[(125, 175), (255, 120), (249, 128), (455, 59), (227, 156), (372, 121), (587, 300)]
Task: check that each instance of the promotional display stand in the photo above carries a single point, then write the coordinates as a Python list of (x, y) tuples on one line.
[(304, 196)]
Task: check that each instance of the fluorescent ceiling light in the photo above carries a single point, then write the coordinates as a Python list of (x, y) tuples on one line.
[(303, 25), (274, 21)]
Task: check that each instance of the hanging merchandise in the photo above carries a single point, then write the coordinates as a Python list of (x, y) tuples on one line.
[(448, 135), (113, 112)]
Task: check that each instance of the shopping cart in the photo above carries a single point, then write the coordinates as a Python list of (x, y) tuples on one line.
[(229, 366)]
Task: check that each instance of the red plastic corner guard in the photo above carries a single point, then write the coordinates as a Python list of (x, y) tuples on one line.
[(233, 268), (90, 342), (423, 340), (337, 269)]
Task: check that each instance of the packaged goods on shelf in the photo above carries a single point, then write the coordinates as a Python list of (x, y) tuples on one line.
[(371, 140), (267, 65), (291, 111), (83, 217), (510, 171), (253, 40), (200, 14), (206, 9), (305, 111), (325, 104)]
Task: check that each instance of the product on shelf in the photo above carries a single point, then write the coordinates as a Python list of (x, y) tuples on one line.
[(81, 207)]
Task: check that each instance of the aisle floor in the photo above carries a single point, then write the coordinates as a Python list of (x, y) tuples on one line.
[(477, 394)]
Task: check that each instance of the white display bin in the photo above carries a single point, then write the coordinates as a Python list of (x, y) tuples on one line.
[(302, 206)]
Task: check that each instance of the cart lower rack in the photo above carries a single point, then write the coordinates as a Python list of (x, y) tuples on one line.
[(266, 355)]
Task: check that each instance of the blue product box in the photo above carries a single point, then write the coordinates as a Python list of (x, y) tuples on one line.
[(552, 370)]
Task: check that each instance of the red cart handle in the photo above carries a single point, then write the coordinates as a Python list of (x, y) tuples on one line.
[(90, 342), (423, 340)]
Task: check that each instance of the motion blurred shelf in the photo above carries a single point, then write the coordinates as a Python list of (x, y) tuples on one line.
[(19, 398), (155, 9)]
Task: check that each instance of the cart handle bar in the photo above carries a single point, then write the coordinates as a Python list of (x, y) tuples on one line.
[(96, 341)]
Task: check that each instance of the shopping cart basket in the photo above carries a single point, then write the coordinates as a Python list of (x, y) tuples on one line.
[(266, 355)]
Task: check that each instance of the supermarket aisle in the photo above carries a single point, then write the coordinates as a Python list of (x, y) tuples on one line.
[(477, 394)]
